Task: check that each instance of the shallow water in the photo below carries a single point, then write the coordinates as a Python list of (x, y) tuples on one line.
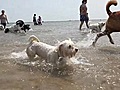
[(93, 68)]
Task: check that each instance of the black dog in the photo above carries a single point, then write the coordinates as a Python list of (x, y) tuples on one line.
[(23, 25), (26, 27), (19, 25)]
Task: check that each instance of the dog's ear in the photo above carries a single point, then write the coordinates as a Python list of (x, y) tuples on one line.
[(103, 23), (59, 47)]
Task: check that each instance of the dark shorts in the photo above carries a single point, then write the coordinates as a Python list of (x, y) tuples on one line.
[(84, 18), (4, 24)]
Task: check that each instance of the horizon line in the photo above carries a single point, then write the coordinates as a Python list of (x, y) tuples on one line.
[(59, 20)]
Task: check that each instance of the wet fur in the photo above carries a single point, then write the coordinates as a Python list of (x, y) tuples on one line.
[(56, 55)]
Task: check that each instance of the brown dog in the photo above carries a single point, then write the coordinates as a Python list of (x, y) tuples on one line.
[(112, 24)]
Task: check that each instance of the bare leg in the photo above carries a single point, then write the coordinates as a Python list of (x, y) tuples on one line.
[(81, 25), (110, 38), (87, 24)]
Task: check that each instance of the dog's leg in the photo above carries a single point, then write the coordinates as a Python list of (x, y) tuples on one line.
[(98, 36), (25, 30), (30, 54), (110, 38), (52, 59)]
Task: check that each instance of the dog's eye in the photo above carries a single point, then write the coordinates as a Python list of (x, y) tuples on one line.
[(69, 46)]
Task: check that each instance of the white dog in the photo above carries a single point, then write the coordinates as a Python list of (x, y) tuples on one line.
[(55, 55), (96, 27)]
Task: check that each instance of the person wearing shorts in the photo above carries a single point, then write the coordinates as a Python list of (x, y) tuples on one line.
[(3, 19), (83, 14)]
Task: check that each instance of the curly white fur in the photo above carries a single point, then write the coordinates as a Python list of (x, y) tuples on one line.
[(52, 54)]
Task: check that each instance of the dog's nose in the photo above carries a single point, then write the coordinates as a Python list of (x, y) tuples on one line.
[(76, 50)]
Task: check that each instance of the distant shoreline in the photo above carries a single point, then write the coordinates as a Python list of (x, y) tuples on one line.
[(63, 21)]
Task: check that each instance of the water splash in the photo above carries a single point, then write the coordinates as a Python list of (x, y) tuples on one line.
[(87, 41), (22, 58), (81, 60), (19, 55)]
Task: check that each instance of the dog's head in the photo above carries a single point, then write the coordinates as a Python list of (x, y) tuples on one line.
[(67, 48), (101, 25), (20, 23)]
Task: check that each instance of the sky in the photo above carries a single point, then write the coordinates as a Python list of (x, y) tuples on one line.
[(53, 10)]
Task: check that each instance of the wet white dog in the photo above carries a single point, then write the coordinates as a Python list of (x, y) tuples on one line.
[(96, 27), (55, 55)]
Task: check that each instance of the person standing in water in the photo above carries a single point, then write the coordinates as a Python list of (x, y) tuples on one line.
[(34, 20), (3, 19), (83, 14)]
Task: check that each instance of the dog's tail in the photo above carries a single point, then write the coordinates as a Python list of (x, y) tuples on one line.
[(33, 38), (111, 2)]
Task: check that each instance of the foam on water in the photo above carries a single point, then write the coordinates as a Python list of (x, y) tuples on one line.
[(21, 55), (22, 58), (81, 60)]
